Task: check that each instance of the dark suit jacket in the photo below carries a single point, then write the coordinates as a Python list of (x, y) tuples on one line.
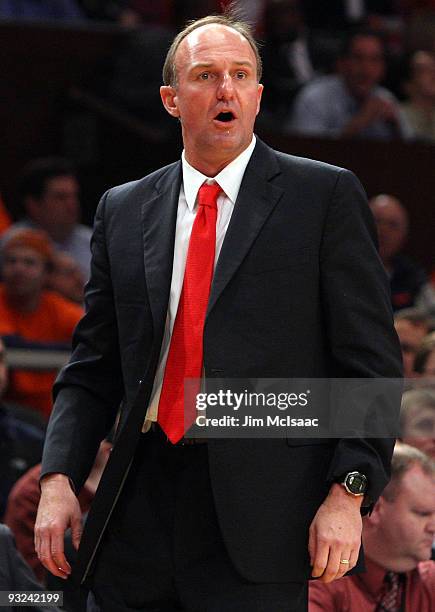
[(298, 291)]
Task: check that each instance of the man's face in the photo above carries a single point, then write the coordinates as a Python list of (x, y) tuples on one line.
[(59, 206), (419, 429), (391, 224), (24, 272), (423, 77), (66, 278), (410, 337), (408, 522), (363, 67), (217, 96)]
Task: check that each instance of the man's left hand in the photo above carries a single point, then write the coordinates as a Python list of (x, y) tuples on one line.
[(335, 535)]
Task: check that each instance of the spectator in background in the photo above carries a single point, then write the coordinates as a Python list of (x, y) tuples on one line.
[(60, 10), (419, 86), (49, 193), (30, 313), (411, 326), (408, 281), (286, 55), (397, 539), (342, 14), (417, 420), (66, 278), (424, 363), (22, 435), (137, 75), (351, 103)]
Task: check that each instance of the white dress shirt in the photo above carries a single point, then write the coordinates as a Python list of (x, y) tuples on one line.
[(229, 179)]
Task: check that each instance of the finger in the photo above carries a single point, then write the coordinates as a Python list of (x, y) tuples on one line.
[(320, 559), (57, 551), (344, 567), (312, 545), (353, 557), (36, 542), (333, 565), (45, 555), (76, 531)]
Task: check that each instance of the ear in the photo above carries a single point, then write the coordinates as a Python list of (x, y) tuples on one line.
[(168, 95), (259, 94), (375, 517)]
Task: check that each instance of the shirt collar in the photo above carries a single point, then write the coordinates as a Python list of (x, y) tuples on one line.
[(373, 578), (229, 179)]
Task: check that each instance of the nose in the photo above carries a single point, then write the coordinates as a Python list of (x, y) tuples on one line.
[(226, 87)]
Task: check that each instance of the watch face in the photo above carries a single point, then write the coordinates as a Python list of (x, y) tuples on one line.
[(356, 482)]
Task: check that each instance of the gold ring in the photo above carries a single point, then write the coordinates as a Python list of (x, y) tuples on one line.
[(345, 561)]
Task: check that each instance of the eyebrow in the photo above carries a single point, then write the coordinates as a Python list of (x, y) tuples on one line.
[(210, 64)]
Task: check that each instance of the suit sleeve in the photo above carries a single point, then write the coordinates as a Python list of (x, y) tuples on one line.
[(359, 324), (89, 389)]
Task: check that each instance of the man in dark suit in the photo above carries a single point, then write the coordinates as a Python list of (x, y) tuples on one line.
[(236, 262)]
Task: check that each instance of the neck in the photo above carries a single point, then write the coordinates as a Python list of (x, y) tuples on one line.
[(208, 167), (59, 233), (355, 94), (378, 550)]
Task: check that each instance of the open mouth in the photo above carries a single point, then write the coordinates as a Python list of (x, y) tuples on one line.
[(225, 117)]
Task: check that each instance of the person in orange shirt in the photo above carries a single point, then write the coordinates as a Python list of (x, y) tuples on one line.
[(29, 313)]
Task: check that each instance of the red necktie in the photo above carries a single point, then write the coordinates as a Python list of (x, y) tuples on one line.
[(390, 601), (186, 350)]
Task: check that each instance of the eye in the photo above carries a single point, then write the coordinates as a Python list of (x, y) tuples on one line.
[(420, 512), (240, 75), (204, 76)]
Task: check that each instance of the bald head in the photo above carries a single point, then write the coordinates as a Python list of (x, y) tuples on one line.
[(392, 224), (170, 76)]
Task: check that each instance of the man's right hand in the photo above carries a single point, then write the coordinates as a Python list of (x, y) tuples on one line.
[(58, 509)]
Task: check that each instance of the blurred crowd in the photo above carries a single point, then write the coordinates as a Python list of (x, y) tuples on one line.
[(346, 68), (360, 69)]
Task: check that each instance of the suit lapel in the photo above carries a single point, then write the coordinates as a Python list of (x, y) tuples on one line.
[(256, 200), (159, 216)]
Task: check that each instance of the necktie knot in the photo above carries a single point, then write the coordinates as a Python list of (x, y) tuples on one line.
[(208, 194)]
